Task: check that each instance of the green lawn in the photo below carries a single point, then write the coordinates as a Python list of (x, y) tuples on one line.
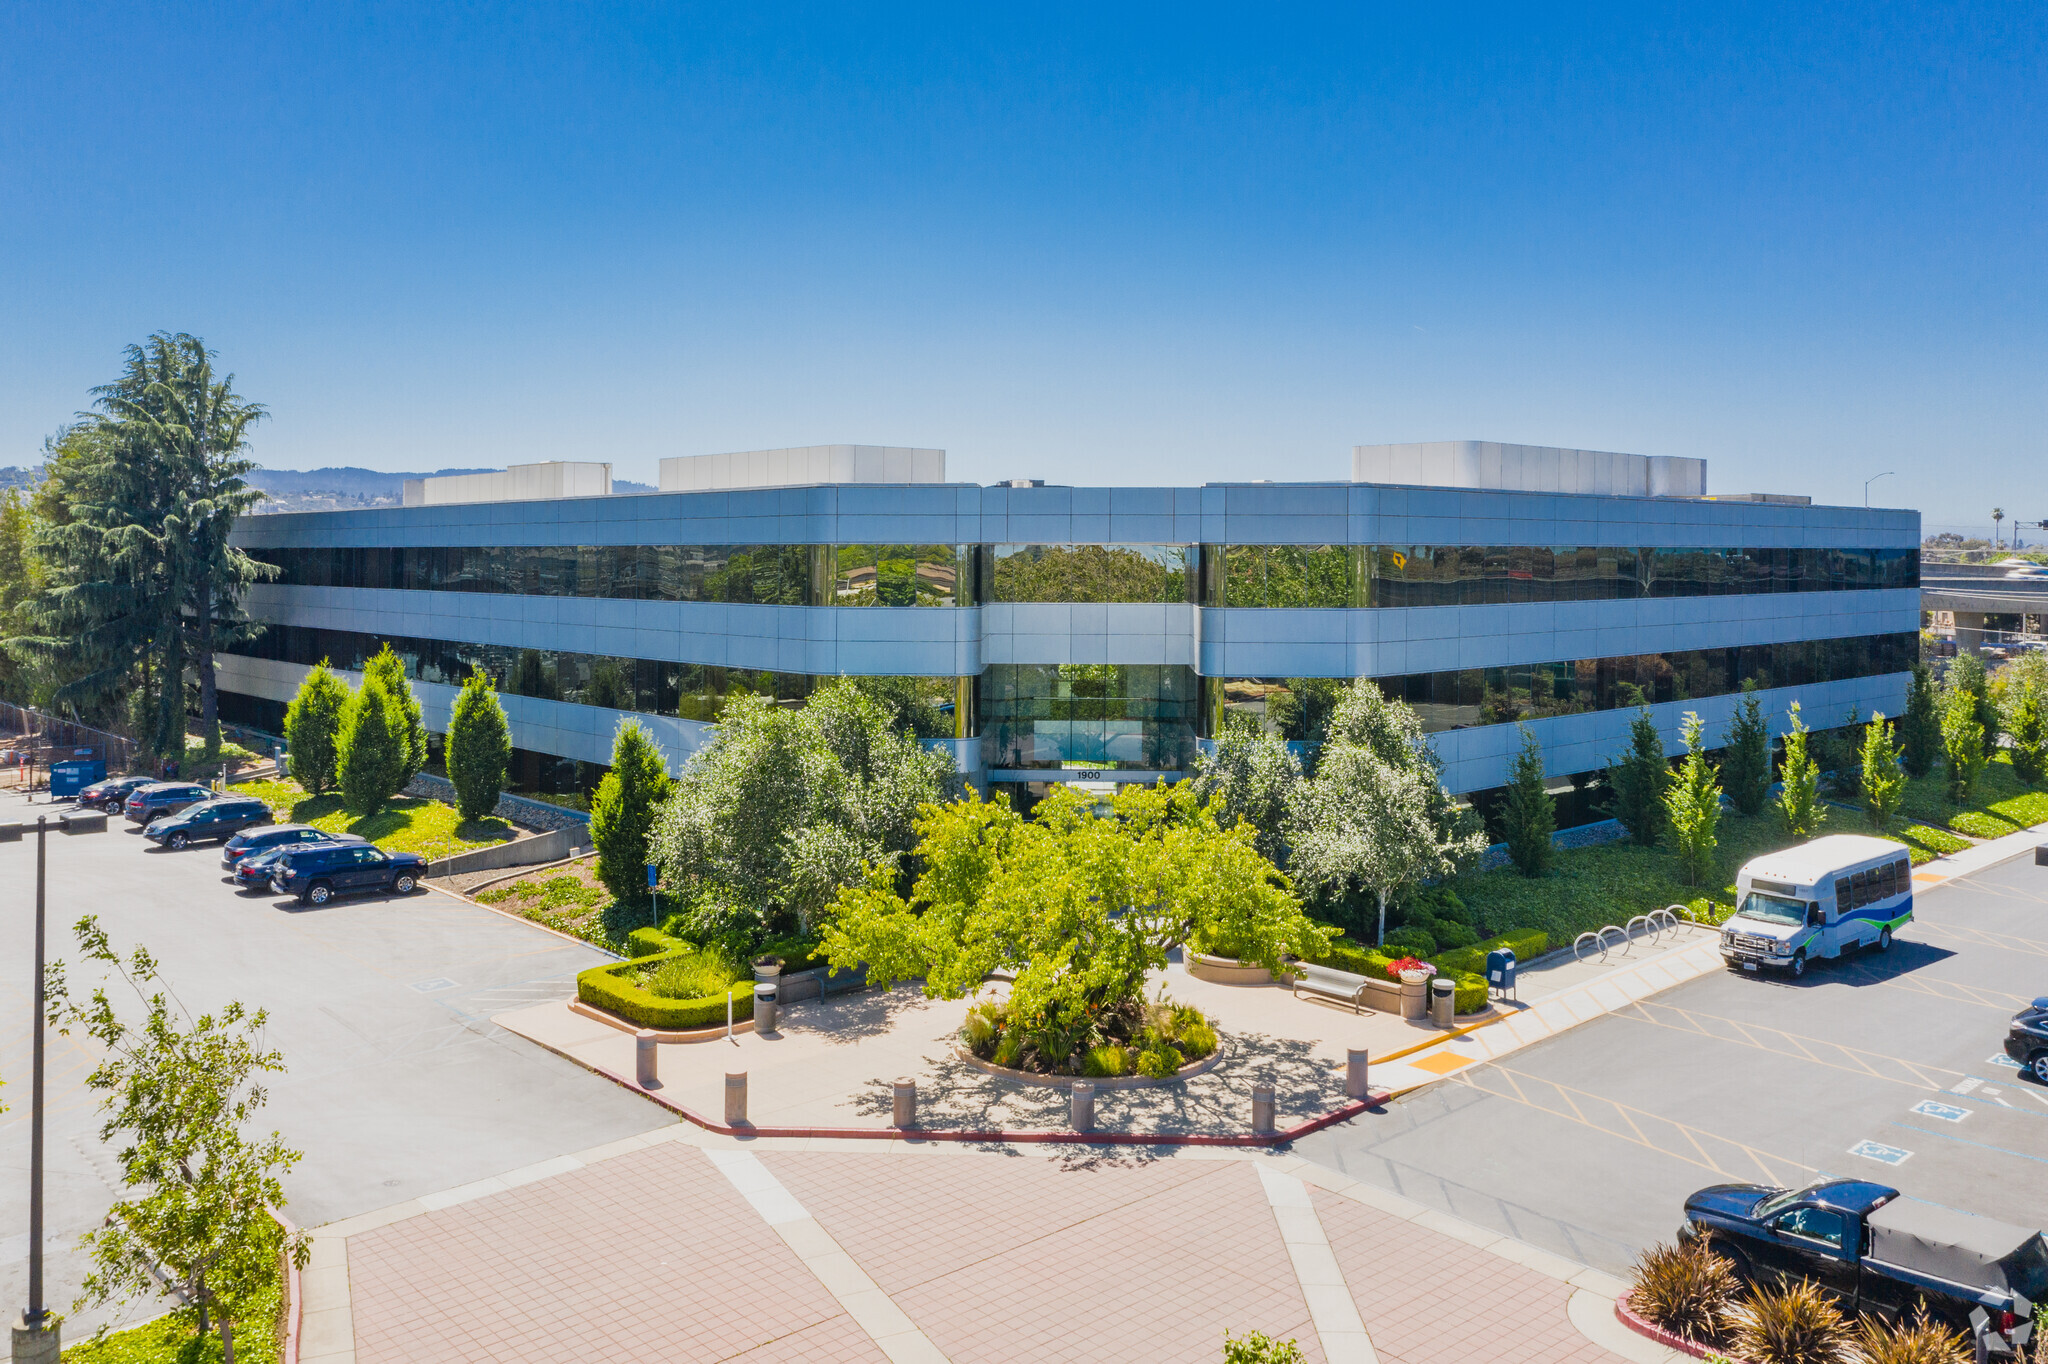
[(569, 900), (1613, 882), (171, 1340), (406, 824), (2001, 803)]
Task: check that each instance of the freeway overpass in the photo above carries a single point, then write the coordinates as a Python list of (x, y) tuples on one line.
[(1988, 602)]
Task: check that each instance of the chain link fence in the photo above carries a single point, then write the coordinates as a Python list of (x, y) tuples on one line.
[(30, 740)]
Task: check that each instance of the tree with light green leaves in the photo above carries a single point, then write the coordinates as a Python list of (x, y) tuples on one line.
[(1529, 812), (479, 747), (1962, 745), (312, 729), (1799, 802), (785, 807), (1920, 729), (388, 668), (373, 748), (1250, 779), (2026, 715), (1376, 818), (1746, 771), (1884, 783), (622, 815), (178, 1094), (1692, 806), (1079, 906), (1967, 674), (1638, 781)]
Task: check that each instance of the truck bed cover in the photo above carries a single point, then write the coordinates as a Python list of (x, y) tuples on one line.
[(1959, 1247)]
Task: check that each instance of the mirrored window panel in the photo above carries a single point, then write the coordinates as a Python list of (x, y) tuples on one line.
[(1076, 715), (1089, 573)]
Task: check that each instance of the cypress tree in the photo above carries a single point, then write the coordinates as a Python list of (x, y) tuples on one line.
[(1884, 785), (1638, 782), (1693, 806), (389, 669), (479, 747), (373, 749), (1747, 770), (1920, 730), (1529, 812), (1962, 744), (622, 815), (1799, 804), (2026, 701), (312, 729), (1967, 675)]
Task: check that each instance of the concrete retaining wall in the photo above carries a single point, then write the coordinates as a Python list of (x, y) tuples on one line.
[(533, 814), (551, 846)]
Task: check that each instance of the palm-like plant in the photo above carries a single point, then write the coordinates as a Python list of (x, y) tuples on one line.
[(1687, 1289), (1797, 1324), (1997, 517), (1918, 1341)]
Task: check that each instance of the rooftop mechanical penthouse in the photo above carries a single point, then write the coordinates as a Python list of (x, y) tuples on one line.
[(1064, 633)]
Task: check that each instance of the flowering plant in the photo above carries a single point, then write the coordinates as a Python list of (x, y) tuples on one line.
[(1407, 964)]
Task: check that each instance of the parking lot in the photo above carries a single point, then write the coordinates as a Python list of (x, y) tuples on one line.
[(398, 1084), (1886, 1067)]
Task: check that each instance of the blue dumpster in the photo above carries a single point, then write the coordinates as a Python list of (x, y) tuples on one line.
[(1500, 970), (70, 777)]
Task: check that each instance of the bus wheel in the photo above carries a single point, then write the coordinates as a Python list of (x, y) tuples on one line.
[(1799, 964), (1884, 939)]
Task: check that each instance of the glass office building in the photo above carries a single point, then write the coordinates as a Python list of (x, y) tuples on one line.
[(1055, 633)]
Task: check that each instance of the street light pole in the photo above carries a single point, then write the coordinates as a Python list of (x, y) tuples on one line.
[(36, 1338), (1872, 479)]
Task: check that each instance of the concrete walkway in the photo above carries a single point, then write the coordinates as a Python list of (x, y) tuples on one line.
[(681, 1243)]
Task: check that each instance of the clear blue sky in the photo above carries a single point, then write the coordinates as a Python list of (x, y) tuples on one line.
[(1094, 244)]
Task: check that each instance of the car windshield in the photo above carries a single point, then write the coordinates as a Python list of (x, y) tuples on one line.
[(1778, 1202), (1772, 909)]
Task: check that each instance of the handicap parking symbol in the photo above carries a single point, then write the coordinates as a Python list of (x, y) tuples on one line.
[(1878, 1151), (1930, 1108), (2002, 1060)]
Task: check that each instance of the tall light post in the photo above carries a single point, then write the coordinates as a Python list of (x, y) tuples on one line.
[(1872, 479), (36, 1337)]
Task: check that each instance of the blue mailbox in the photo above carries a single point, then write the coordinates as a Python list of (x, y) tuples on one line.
[(1500, 970), (69, 778)]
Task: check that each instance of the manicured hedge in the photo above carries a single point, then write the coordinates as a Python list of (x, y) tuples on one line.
[(611, 988), (1472, 992), (651, 942), (1526, 943)]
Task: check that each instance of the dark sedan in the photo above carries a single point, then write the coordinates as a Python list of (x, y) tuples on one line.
[(249, 842), (319, 873), (222, 818), (110, 795), (254, 871), (2027, 1039), (160, 798)]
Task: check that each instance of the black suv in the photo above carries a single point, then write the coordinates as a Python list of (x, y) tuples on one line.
[(159, 798), (222, 817), (252, 841), (110, 795), (318, 874), (2027, 1042)]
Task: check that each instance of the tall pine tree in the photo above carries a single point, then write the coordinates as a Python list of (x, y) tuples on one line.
[(373, 748), (389, 669), (1692, 806), (1884, 785), (1529, 812), (622, 815), (1799, 803), (312, 729), (479, 747), (1747, 769), (1920, 729), (1638, 781)]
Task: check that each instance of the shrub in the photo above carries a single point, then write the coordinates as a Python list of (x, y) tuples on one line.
[(479, 747), (1197, 1040), (694, 975), (1962, 745), (1686, 1289), (622, 815), (373, 749), (1451, 935), (1104, 1061), (1798, 1324), (1413, 938), (1162, 1062), (1526, 943), (1439, 903), (979, 1033), (1256, 1347), (644, 942), (1919, 1341), (389, 669), (1010, 1050), (1472, 995), (613, 988)]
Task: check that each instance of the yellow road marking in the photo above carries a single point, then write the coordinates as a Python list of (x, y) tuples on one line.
[(1923, 1076)]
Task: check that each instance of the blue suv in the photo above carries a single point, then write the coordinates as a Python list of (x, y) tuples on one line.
[(318, 874)]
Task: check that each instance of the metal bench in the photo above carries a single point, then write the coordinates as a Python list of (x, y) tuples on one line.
[(1328, 981)]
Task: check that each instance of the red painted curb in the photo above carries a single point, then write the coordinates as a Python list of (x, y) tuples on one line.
[(1643, 1326), (1317, 1124), (293, 1303)]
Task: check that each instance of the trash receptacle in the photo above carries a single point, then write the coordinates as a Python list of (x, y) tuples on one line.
[(764, 1006), (1443, 1001), (1500, 970), (2041, 854)]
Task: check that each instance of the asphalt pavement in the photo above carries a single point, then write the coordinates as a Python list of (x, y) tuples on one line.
[(1881, 1066), (398, 1085)]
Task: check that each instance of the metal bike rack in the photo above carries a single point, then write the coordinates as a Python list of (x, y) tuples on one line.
[(1655, 925)]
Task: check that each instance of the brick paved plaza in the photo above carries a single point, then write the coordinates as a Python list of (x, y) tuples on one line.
[(681, 1244)]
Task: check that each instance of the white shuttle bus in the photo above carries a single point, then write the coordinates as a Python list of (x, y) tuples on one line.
[(1818, 900)]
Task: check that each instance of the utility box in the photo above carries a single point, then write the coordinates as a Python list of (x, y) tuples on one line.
[(1500, 970), (69, 778)]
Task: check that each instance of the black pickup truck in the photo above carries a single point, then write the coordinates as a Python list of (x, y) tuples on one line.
[(1882, 1254)]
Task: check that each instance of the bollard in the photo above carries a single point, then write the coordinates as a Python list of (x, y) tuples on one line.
[(1081, 1106), (903, 1104), (1262, 1110), (735, 1098), (646, 1060), (1354, 1073)]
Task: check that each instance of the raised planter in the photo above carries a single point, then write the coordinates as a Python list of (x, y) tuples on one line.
[(1670, 1340), (610, 1019), (1226, 970), (1101, 1083)]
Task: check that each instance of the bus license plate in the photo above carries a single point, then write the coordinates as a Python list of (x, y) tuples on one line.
[(1749, 966)]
